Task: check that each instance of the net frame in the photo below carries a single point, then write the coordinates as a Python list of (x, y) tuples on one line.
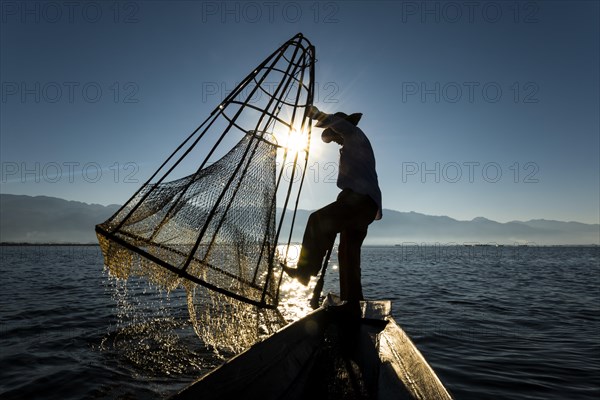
[(294, 62)]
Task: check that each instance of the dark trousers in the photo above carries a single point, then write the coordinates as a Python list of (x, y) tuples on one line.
[(350, 215)]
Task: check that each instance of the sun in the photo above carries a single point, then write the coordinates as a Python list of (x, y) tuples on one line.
[(294, 141)]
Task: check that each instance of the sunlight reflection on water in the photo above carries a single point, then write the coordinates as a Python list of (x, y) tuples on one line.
[(294, 298), (224, 325), (483, 320)]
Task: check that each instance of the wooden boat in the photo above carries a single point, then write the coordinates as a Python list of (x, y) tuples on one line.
[(327, 355)]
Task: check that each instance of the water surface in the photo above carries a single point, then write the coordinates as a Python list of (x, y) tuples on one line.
[(494, 322)]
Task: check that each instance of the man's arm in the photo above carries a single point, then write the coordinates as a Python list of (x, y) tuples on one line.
[(324, 120), (314, 113)]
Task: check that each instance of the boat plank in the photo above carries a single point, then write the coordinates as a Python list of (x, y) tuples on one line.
[(404, 369), (327, 355), (267, 369)]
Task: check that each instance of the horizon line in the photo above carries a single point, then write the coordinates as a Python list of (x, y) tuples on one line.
[(309, 210)]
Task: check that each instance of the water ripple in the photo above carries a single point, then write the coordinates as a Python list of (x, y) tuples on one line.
[(494, 323)]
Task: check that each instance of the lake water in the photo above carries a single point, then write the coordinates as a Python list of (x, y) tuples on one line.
[(494, 322)]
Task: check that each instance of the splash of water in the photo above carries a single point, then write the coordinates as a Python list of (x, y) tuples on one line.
[(151, 334), (158, 313)]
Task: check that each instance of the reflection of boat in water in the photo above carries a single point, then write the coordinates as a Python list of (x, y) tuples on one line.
[(325, 355)]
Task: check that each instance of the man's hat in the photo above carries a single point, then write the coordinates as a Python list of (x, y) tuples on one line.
[(352, 118)]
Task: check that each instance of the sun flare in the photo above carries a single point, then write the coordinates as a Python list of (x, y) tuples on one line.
[(294, 141), (294, 297)]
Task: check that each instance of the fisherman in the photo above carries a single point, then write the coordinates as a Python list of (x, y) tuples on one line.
[(357, 205)]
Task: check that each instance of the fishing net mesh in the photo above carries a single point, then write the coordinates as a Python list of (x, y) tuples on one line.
[(233, 254), (214, 230)]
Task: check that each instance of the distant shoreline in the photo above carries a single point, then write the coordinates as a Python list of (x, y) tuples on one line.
[(51, 221)]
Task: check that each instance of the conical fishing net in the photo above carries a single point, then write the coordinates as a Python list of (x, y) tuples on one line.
[(210, 219)]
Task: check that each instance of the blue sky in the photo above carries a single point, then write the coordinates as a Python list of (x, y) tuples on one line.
[(473, 108)]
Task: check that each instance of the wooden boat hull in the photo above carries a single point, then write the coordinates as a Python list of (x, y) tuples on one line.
[(327, 355)]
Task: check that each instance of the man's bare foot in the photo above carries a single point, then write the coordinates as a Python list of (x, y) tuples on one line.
[(294, 273)]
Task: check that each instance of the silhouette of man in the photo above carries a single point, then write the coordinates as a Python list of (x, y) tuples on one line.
[(357, 205)]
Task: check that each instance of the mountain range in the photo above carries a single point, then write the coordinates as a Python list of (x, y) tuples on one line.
[(43, 219)]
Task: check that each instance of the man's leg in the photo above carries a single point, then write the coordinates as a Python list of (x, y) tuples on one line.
[(349, 257), (349, 211), (351, 239), (343, 261), (319, 236)]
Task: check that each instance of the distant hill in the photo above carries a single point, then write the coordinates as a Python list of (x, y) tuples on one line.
[(44, 219), (410, 227)]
